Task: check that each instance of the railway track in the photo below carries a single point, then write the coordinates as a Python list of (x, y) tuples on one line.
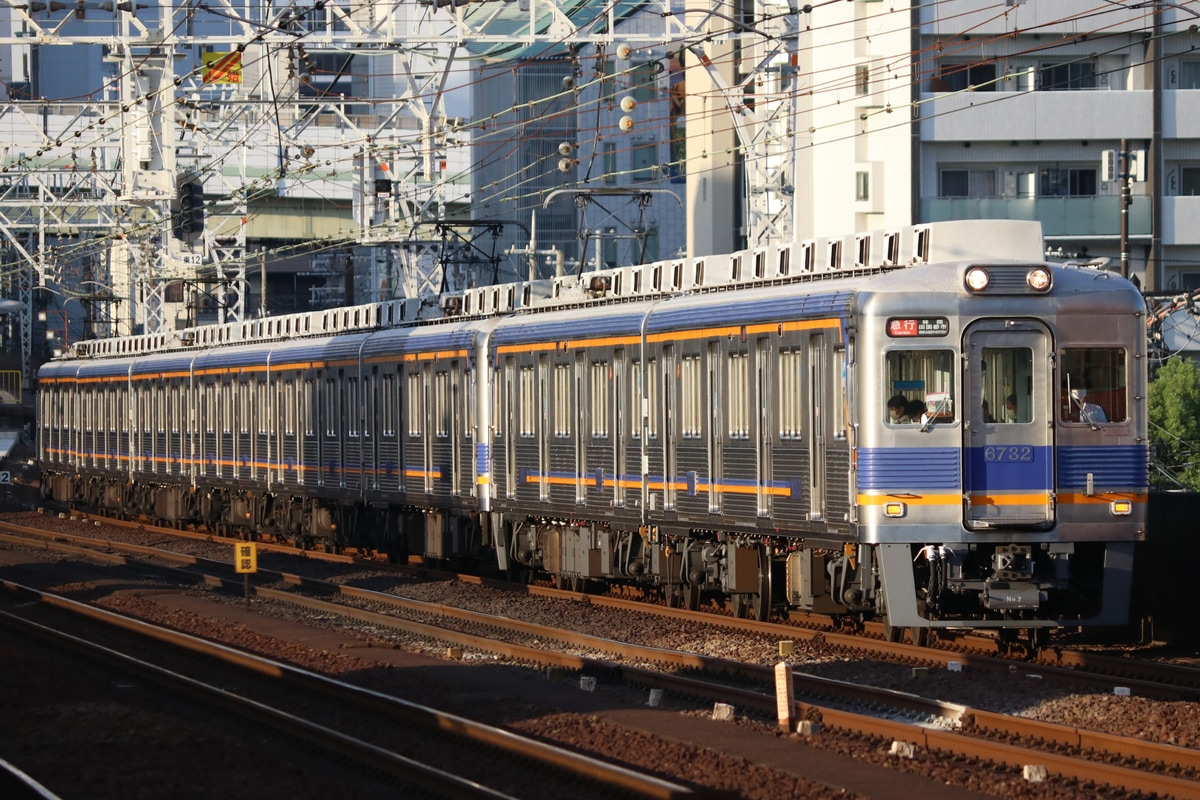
[(1142, 677), (500, 761), (991, 735)]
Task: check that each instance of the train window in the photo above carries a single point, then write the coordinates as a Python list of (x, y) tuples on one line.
[(245, 413), (387, 401), (1007, 375), (791, 409), (414, 404), (528, 407), (645, 397), (369, 400), (306, 410), (472, 389), (920, 384), (264, 403), (562, 401), (691, 401), (175, 406), (738, 396), (600, 401), (441, 408), (289, 408), (351, 387), (226, 411), (210, 408), (651, 394), (1092, 382), (329, 410), (839, 393)]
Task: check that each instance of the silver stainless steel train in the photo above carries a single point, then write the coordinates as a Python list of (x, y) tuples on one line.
[(931, 426)]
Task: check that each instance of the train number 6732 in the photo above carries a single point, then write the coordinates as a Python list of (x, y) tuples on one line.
[(1009, 453)]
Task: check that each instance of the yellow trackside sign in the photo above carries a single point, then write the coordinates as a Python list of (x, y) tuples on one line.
[(222, 67), (245, 558)]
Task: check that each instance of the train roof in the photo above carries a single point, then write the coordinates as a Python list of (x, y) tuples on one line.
[(753, 276)]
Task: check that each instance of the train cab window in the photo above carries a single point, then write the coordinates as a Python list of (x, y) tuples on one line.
[(1007, 384), (1092, 384), (920, 387)]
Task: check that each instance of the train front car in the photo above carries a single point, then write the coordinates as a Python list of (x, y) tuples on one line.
[(1002, 460)]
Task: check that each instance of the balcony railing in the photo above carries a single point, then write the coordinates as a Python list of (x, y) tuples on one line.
[(1060, 216)]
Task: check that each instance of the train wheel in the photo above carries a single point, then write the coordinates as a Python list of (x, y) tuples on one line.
[(920, 636), (673, 595), (691, 597), (892, 633), (741, 605)]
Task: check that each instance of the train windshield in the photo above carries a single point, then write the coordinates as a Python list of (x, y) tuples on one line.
[(1092, 385), (1007, 384), (920, 386)]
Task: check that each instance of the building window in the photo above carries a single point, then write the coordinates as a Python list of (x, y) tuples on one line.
[(1067, 182), (1189, 75), (1189, 181), (644, 81), (610, 164), (957, 77), (968, 183), (1056, 77), (862, 80), (862, 185), (645, 162)]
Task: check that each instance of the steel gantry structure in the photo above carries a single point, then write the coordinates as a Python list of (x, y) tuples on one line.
[(226, 94)]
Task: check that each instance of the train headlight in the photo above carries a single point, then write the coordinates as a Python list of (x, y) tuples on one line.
[(893, 509), (1121, 508), (1038, 279), (977, 279)]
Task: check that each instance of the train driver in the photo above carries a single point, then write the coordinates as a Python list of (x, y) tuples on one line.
[(1088, 412)]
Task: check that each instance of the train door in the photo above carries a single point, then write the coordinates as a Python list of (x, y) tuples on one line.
[(817, 391), (1008, 447)]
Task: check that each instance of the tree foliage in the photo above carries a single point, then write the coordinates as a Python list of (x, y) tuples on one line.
[(1174, 408)]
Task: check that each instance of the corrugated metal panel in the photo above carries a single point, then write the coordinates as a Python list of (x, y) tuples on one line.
[(910, 469), (1109, 465)]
